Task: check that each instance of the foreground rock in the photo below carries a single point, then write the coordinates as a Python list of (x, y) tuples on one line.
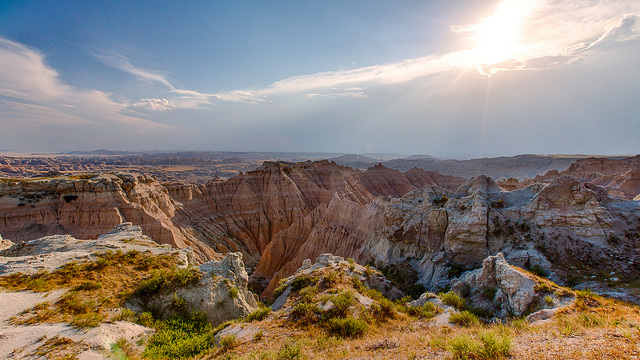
[(51, 252), (503, 290), (221, 294)]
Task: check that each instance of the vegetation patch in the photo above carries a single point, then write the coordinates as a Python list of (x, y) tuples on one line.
[(180, 338), (465, 318), (348, 327), (97, 288), (258, 314), (487, 345), (452, 298)]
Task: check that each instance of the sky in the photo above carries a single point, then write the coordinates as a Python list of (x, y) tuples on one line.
[(452, 79)]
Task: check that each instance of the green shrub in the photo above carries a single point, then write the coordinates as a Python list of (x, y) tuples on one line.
[(480, 312), (88, 286), (306, 313), (228, 342), (186, 277), (168, 279), (290, 351), (178, 338), (72, 304), (455, 269), (489, 292), (126, 315), (282, 286), (348, 327), (383, 310), (451, 298), (440, 201), (342, 302), (543, 287), (303, 281), (548, 299), (428, 310), (258, 314), (258, 336), (464, 318), (233, 292), (330, 278), (463, 347), (146, 319), (404, 277), (539, 271), (491, 346), (307, 294), (494, 346)]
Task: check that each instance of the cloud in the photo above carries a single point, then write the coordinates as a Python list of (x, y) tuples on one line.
[(244, 96), (120, 62), (353, 94), (153, 105), (189, 99), (34, 94)]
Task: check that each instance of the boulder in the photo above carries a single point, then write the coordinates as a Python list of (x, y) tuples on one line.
[(221, 294), (512, 289), (5, 243)]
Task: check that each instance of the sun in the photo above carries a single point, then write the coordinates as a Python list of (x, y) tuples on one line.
[(498, 37)]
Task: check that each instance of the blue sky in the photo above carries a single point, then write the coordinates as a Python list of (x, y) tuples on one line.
[(447, 78)]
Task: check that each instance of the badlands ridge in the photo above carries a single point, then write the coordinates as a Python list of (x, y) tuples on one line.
[(579, 225)]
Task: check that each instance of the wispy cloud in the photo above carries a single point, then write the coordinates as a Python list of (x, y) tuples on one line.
[(120, 62), (35, 94), (553, 33)]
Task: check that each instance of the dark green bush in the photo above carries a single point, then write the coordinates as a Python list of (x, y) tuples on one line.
[(489, 292), (302, 282), (539, 270)]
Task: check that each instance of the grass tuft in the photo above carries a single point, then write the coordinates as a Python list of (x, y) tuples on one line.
[(464, 318), (259, 314), (452, 298), (348, 327)]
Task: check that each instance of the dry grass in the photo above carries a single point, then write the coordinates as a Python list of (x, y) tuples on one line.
[(59, 348), (97, 289)]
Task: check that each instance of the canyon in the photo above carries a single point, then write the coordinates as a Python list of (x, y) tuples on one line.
[(580, 226)]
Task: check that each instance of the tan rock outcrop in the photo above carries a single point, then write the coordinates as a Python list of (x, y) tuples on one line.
[(221, 294), (88, 206), (501, 289)]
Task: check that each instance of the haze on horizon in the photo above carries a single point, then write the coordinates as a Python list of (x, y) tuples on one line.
[(461, 78)]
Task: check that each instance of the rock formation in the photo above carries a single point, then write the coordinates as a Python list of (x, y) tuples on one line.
[(221, 294), (620, 176), (51, 252), (281, 214), (88, 206)]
